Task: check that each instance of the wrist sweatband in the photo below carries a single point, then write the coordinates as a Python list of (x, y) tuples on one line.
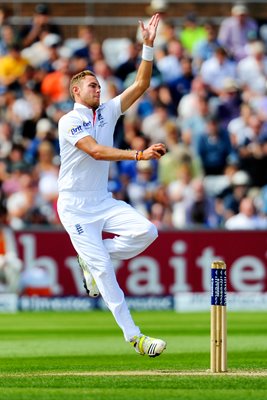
[(147, 53), (138, 155)]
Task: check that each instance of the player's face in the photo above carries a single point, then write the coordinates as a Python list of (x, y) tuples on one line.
[(88, 92)]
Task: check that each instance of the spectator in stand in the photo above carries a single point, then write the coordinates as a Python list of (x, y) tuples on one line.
[(239, 128), (177, 155), (200, 208), (146, 105), (182, 85), (96, 52), (192, 33), (5, 139), (215, 70), (45, 131), (154, 126), (253, 152), (21, 203), (55, 84), (24, 109), (229, 200), (165, 97), (46, 174), (227, 105), (214, 148), (161, 216), (205, 48), (8, 38), (141, 190), (161, 198), (104, 76), (188, 102), (39, 52), (52, 43), (132, 130), (136, 140), (180, 192), (237, 30), (5, 21), (248, 217), (130, 65), (5, 14), (23, 112), (12, 67), (86, 36), (193, 126), (156, 7), (41, 21), (252, 70), (170, 31), (168, 60)]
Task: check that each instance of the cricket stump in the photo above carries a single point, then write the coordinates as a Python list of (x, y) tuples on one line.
[(218, 323)]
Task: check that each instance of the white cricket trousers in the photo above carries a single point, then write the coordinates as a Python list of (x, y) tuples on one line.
[(85, 217)]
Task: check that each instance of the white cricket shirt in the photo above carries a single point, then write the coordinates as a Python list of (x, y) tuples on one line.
[(79, 172)]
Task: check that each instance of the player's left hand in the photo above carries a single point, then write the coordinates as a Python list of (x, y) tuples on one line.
[(156, 151), (149, 32)]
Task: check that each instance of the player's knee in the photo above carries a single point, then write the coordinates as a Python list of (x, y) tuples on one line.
[(152, 233)]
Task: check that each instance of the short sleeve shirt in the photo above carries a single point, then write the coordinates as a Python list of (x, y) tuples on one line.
[(78, 170)]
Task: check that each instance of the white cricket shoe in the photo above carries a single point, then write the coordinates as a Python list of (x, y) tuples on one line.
[(88, 280), (147, 345)]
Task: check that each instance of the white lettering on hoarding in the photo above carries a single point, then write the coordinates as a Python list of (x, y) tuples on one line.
[(144, 277), (31, 261), (247, 274), (204, 262), (180, 268)]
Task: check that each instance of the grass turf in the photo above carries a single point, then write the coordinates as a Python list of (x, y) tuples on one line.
[(83, 356)]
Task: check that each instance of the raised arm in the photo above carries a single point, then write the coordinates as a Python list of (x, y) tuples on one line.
[(142, 80)]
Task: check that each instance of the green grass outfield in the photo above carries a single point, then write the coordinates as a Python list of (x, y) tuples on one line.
[(82, 355)]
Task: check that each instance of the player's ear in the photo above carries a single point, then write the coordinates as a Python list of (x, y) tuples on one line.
[(75, 90)]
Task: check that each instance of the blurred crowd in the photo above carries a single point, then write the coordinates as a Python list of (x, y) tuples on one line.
[(207, 102)]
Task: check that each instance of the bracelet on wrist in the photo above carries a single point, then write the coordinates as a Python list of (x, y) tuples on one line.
[(147, 53), (138, 155)]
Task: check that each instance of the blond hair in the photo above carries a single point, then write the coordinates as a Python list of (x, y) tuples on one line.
[(76, 79)]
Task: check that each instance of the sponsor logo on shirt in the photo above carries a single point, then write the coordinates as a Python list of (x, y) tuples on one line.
[(87, 125), (74, 130)]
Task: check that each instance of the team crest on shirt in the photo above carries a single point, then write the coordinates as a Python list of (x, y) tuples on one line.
[(101, 121)]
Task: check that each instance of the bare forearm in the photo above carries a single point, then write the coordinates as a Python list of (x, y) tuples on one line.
[(107, 153), (144, 75)]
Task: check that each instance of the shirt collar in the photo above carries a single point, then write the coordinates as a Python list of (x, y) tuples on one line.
[(79, 105)]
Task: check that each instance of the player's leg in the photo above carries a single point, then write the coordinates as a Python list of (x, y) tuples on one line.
[(135, 232), (89, 245)]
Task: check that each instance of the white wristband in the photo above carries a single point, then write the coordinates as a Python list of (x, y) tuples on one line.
[(147, 53)]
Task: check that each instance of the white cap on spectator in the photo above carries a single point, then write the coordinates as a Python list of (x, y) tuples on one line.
[(157, 6), (240, 178), (239, 9), (43, 126), (52, 39), (256, 47), (144, 165), (230, 85)]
